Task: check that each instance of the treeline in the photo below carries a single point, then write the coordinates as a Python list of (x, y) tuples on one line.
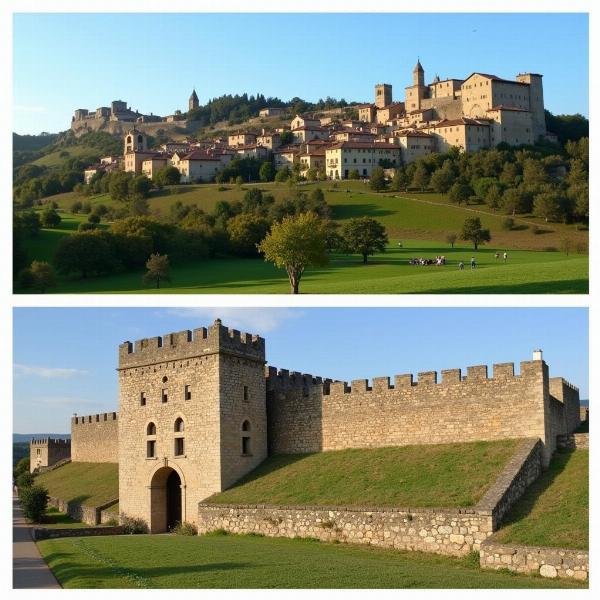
[(568, 127), (514, 181), (30, 147)]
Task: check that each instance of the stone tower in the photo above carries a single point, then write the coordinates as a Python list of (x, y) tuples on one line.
[(135, 141), (536, 102), (192, 420), (418, 74), (193, 103), (383, 95), (46, 452), (417, 91)]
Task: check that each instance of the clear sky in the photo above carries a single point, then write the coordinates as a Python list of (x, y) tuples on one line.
[(65, 358), (68, 61)]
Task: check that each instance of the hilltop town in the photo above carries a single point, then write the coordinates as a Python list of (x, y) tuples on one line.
[(478, 112)]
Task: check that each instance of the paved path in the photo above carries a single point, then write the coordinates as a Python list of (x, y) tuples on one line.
[(29, 568)]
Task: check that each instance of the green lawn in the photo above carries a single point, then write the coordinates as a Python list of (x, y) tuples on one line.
[(555, 509), (54, 519), (436, 475), (91, 484), (166, 561)]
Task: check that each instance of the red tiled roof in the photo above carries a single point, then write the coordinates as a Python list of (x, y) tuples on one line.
[(494, 78), (461, 121), (310, 128), (366, 145), (199, 155)]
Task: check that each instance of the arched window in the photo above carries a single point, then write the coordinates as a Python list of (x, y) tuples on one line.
[(179, 425), (246, 446), (151, 429), (129, 139), (140, 139), (150, 444)]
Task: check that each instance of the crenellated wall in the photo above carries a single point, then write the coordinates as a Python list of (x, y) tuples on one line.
[(95, 438), (308, 414), (46, 452)]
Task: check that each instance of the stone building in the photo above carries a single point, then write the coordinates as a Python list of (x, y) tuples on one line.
[(46, 452), (198, 410)]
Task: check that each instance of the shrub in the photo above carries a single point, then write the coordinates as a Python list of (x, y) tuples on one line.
[(24, 481), (34, 501), (217, 532), (112, 522), (185, 528), (508, 223), (21, 467), (86, 226), (133, 525), (222, 188), (536, 230)]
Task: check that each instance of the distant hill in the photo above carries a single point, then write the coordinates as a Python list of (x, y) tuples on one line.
[(27, 437)]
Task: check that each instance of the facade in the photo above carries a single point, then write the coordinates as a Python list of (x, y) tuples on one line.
[(199, 410), (344, 157), (46, 452), (196, 166)]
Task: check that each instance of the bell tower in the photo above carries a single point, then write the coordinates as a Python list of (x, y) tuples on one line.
[(193, 102)]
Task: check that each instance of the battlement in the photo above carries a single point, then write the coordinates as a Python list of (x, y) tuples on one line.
[(282, 379), (50, 442), (564, 382), (98, 418), (188, 344)]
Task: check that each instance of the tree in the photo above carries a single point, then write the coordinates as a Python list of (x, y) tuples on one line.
[(451, 239), (460, 192), (401, 180), (473, 232), (266, 171), (21, 467), (286, 137), (158, 268), (420, 178), (354, 174), (34, 501), (118, 186), (377, 180), (364, 236), (139, 187), (38, 277), (246, 231), (441, 180), (283, 174), (50, 218), (167, 176), (296, 243), (514, 201), (550, 206), (84, 253), (24, 480)]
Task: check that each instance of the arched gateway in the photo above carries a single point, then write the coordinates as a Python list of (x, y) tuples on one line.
[(166, 500)]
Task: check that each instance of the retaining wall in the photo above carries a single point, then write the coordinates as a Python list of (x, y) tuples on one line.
[(574, 441), (80, 512), (42, 533), (547, 562)]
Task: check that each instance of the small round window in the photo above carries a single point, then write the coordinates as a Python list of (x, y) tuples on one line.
[(165, 379)]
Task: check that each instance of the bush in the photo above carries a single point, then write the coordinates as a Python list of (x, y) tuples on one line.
[(21, 467), (508, 223), (34, 501), (222, 188), (24, 481), (112, 522), (87, 226), (133, 525), (536, 230), (185, 528)]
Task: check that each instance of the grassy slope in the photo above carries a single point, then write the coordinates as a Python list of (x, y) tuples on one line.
[(437, 475), (253, 562), (53, 159), (555, 510), (92, 484)]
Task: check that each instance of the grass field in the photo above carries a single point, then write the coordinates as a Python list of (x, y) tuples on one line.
[(167, 561), (555, 509), (420, 221), (436, 475), (92, 484)]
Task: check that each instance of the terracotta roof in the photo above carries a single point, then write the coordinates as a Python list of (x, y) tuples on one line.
[(287, 150), (314, 153), (366, 145), (250, 147), (392, 105), (494, 78), (461, 121), (199, 155), (310, 128)]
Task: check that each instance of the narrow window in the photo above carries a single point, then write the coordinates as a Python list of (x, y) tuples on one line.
[(142, 398), (179, 425), (187, 393), (179, 446), (246, 394), (151, 429), (39, 451), (246, 446), (164, 395), (150, 449)]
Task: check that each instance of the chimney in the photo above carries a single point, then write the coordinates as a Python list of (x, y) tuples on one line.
[(537, 355)]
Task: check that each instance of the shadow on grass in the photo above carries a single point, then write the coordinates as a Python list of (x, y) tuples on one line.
[(348, 211), (567, 286)]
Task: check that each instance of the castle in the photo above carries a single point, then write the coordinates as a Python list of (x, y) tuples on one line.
[(47, 452), (199, 409)]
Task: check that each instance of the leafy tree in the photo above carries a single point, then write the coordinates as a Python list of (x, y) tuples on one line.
[(364, 236), (441, 180), (296, 243), (246, 231), (514, 201), (510, 175), (84, 253), (493, 197), (451, 239), (460, 192), (94, 219), (401, 180), (472, 231), (286, 137), (76, 207), (39, 277), (420, 178), (139, 206), (158, 269), (118, 186), (50, 218), (168, 175), (266, 171), (24, 480), (550, 206), (34, 502), (377, 180), (29, 222), (22, 466), (139, 187), (354, 174), (283, 174)]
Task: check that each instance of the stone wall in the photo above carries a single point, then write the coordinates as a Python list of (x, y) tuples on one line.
[(574, 441), (95, 438), (442, 531), (547, 562), (308, 414), (43, 533), (80, 512)]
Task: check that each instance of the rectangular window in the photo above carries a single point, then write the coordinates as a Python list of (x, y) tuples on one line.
[(142, 398), (150, 448), (246, 394), (187, 392), (164, 395), (39, 451), (245, 445), (179, 447)]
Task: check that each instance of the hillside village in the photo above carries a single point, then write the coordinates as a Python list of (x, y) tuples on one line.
[(479, 112)]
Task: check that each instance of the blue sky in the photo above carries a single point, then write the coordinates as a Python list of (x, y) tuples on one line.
[(65, 358), (68, 61)]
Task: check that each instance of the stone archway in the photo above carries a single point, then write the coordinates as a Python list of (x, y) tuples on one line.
[(167, 500)]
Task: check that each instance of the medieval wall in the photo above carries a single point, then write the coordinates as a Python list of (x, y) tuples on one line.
[(309, 415), (46, 452), (95, 438), (444, 108)]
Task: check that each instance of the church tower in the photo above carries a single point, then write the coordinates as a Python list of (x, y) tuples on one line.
[(193, 103), (417, 91), (135, 141), (418, 74)]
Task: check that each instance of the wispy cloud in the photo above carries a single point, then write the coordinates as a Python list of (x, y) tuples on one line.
[(46, 372), (58, 402), (252, 320), (29, 109)]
